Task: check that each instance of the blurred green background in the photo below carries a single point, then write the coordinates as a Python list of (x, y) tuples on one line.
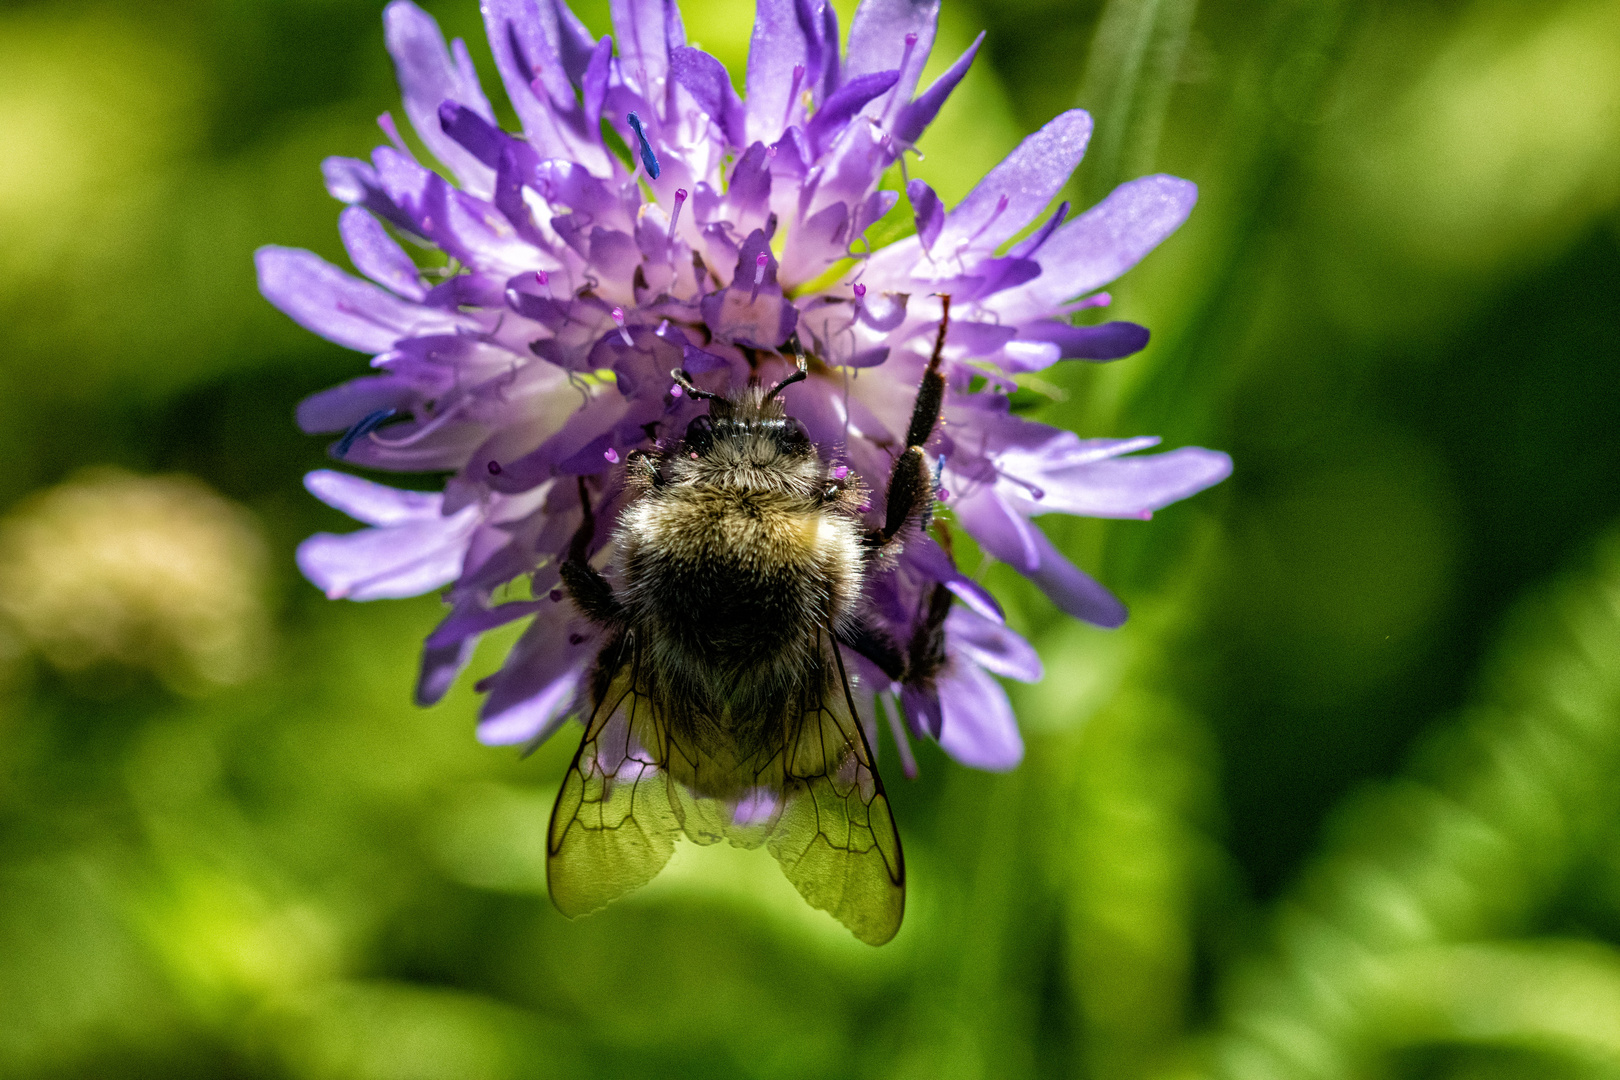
[(1340, 801)]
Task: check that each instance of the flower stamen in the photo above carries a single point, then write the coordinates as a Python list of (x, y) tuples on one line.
[(649, 160)]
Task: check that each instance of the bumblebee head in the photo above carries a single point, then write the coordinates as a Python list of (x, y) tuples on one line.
[(752, 423)]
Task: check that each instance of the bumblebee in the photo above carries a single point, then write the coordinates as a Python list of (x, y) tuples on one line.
[(720, 704)]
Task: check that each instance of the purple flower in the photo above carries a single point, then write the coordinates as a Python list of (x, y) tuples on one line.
[(581, 270)]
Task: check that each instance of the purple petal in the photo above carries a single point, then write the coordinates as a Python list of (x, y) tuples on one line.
[(646, 29), (480, 138), (1003, 534), (1110, 341), (915, 117), (849, 99), (377, 255), (923, 712), (537, 687), (343, 405), (320, 297), (439, 669), (993, 646), (389, 563), (877, 40), (427, 77), (1071, 589), (472, 621), (930, 560), (706, 79), (1031, 244), (1126, 487), (1107, 240), (928, 211), (1027, 180), (777, 45), (372, 503), (979, 729), (524, 36)]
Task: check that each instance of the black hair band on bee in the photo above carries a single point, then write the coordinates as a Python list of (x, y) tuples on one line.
[(800, 375), (686, 384)]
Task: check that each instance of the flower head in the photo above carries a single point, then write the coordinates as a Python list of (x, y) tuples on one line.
[(648, 218)]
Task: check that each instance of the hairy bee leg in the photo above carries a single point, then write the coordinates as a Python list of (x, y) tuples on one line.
[(870, 642), (925, 655), (585, 584), (911, 488)]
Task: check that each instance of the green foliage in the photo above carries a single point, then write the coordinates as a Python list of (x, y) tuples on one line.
[(1312, 813)]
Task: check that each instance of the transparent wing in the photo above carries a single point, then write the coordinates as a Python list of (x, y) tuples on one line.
[(615, 822), (835, 836), (813, 798)]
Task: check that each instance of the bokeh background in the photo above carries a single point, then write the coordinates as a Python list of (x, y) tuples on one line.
[(1340, 801)]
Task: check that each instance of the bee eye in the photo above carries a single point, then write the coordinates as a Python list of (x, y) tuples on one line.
[(700, 433), (795, 435)]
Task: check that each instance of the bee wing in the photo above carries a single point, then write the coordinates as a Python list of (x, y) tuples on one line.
[(615, 821), (835, 836)]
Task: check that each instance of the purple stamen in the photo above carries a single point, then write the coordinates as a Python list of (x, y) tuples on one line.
[(612, 456), (760, 263), (494, 468), (386, 122), (860, 291), (542, 278), (793, 94), (944, 495), (1001, 205), (675, 390), (680, 201), (618, 319), (840, 471), (865, 508)]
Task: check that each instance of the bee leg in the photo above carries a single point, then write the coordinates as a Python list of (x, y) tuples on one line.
[(911, 488), (585, 584), (926, 654), (872, 643)]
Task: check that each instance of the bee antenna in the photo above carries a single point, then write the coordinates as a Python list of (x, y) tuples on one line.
[(798, 376), (692, 391)]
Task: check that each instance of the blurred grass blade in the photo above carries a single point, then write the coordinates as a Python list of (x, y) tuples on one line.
[(1130, 68), (1476, 842)]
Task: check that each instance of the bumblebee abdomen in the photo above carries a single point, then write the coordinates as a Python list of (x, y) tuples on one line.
[(737, 580)]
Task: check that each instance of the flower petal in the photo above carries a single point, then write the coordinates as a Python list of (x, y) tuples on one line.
[(343, 405), (1029, 178), (777, 45), (1126, 487), (427, 77), (914, 118), (320, 297), (541, 681), (439, 668), (877, 36), (706, 79), (1109, 341), (372, 503), (378, 255), (978, 727), (992, 646), (646, 30), (389, 563), (1104, 242), (1072, 589)]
